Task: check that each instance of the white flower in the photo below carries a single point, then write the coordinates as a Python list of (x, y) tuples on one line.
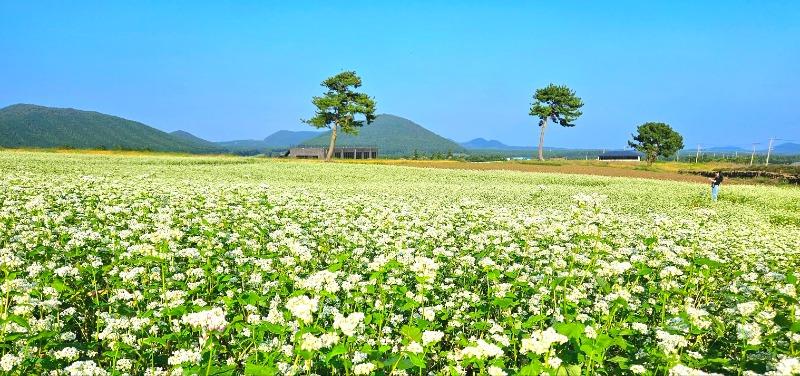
[(639, 327), (182, 356), (540, 341), (590, 332), (210, 320), (413, 347), (303, 307), (349, 324), (681, 370), (85, 368), (787, 366), (554, 362), (670, 343), (482, 350), (124, 364), (9, 361), (67, 353), (495, 371), (638, 369), (431, 336), (310, 342), (746, 309), (749, 332), (363, 368)]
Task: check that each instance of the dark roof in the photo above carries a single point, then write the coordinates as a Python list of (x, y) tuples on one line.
[(621, 153)]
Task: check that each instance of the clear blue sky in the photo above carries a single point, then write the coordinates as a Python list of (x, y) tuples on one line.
[(720, 72)]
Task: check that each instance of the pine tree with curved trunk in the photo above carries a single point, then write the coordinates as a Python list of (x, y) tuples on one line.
[(338, 107), (557, 103)]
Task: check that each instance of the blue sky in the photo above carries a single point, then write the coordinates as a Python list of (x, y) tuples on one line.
[(720, 72)]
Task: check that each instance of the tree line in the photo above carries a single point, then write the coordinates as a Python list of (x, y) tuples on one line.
[(342, 109)]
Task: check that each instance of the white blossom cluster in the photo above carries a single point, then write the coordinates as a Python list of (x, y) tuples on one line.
[(152, 265)]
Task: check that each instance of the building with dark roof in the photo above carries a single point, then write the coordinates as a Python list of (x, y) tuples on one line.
[(620, 155), (343, 153)]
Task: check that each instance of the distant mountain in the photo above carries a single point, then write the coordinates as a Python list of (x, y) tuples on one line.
[(394, 136), (787, 148), (242, 145), (188, 137), (27, 125), (730, 149), (289, 138), (482, 143), (279, 140)]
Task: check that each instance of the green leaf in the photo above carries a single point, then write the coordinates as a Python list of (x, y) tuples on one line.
[(338, 350), (409, 305), (214, 371), (503, 302), (405, 364), (706, 261), (569, 370), (19, 321), (533, 320), (259, 370), (59, 285), (334, 267), (533, 369), (274, 328), (411, 333), (572, 330), (417, 361)]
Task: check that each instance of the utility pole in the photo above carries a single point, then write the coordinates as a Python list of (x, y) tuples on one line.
[(753, 155), (697, 155), (769, 150)]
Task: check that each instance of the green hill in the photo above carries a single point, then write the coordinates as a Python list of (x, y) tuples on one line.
[(279, 140), (26, 125), (199, 142), (394, 136), (289, 138)]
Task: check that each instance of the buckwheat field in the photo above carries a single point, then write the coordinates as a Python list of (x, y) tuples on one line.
[(161, 265)]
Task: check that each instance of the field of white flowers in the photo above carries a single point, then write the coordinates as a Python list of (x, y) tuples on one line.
[(158, 265)]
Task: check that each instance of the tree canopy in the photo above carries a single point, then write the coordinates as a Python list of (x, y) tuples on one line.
[(656, 139), (557, 103), (338, 107)]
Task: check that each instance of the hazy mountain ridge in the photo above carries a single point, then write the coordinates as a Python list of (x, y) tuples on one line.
[(393, 136), (184, 135), (27, 125)]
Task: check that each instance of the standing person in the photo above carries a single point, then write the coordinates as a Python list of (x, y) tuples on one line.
[(715, 182)]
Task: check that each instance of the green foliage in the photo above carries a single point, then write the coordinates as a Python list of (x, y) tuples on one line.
[(656, 139), (338, 107), (393, 136), (24, 125), (557, 103)]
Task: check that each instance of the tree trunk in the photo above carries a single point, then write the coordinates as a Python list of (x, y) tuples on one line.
[(333, 143), (541, 138)]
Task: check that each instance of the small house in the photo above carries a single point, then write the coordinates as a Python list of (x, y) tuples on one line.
[(342, 152), (620, 155)]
